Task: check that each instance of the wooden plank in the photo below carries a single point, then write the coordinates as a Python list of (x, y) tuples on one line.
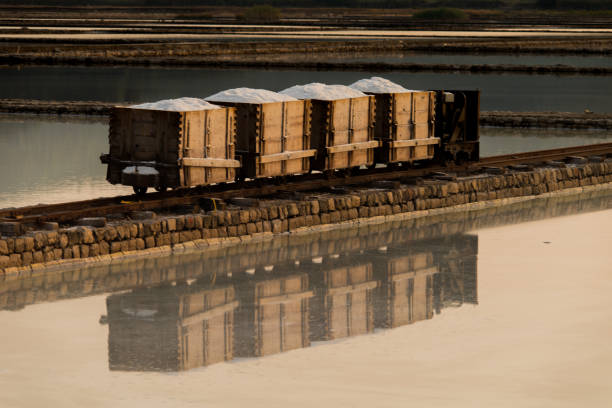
[(281, 299), (209, 162), (286, 156), (210, 313), (415, 142), (412, 274), (353, 146), (345, 290)]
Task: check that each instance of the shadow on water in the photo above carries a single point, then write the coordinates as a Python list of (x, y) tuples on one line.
[(193, 309)]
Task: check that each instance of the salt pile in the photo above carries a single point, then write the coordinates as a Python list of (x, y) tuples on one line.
[(249, 95), (378, 85), (325, 92), (178, 105)]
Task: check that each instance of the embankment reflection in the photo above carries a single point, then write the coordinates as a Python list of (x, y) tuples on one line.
[(272, 307)]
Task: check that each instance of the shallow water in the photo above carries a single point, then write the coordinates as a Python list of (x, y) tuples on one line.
[(503, 307), (49, 161), (516, 59), (137, 84)]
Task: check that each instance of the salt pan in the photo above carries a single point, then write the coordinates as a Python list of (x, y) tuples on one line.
[(325, 92), (249, 95), (178, 105), (378, 85)]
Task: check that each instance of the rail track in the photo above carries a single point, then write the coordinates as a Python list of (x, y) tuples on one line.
[(69, 212)]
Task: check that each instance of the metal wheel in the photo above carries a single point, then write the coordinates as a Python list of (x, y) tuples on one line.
[(140, 190)]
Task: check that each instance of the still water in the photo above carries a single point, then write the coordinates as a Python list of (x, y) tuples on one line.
[(418, 58), (136, 84), (505, 307), (45, 160)]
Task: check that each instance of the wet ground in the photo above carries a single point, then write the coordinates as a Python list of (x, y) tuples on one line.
[(58, 160), (501, 307)]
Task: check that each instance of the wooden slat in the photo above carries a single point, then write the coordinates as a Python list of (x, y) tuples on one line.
[(344, 290), (297, 154), (210, 313), (415, 142), (209, 162), (353, 146), (288, 298), (409, 275)]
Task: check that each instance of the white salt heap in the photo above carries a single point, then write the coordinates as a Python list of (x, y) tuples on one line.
[(249, 95), (378, 85), (325, 92), (178, 105)]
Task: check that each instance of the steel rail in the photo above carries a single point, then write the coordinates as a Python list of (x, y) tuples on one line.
[(66, 212)]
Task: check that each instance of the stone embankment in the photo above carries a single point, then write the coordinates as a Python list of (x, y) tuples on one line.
[(492, 118), (234, 256), (244, 219)]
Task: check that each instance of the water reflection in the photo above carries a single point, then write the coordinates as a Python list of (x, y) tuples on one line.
[(137, 84), (280, 307)]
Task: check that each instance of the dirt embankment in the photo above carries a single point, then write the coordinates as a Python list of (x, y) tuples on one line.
[(493, 118)]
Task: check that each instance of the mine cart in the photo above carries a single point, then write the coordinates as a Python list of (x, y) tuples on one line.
[(171, 328), (273, 138), (164, 149), (457, 125), (407, 287), (343, 305), (343, 133), (405, 126), (273, 315)]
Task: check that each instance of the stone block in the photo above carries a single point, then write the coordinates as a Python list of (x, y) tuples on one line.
[(241, 229), (57, 253), (244, 216), (76, 251), (84, 250), (26, 258), (267, 226), (115, 246), (149, 242), (104, 247), (10, 228), (3, 247), (38, 257), (140, 244), (314, 206), (189, 222)]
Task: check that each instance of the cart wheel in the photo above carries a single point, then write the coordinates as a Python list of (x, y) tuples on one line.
[(160, 189), (140, 190)]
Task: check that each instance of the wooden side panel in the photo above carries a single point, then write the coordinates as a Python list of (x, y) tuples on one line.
[(207, 327), (144, 135), (271, 137), (409, 289), (208, 134), (348, 301), (281, 322), (351, 123), (405, 126)]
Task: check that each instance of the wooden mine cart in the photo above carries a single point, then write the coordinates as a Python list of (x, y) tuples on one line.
[(170, 328), (163, 149), (405, 126), (273, 316), (343, 305), (342, 133), (273, 139), (407, 288)]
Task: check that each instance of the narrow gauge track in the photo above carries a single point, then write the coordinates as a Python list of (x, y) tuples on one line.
[(67, 212)]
